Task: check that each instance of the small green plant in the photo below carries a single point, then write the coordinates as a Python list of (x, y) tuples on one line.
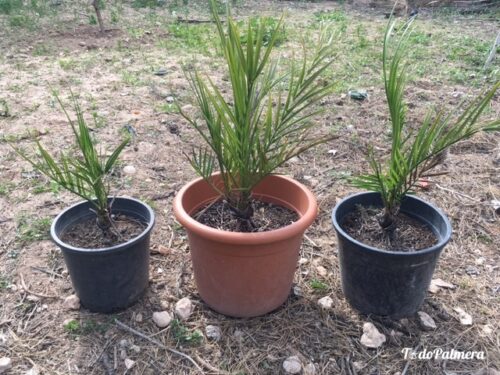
[(8, 6), (73, 327), (183, 336), (267, 124), (85, 175), (318, 285), (4, 108), (270, 26), (29, 230), (415, 154)]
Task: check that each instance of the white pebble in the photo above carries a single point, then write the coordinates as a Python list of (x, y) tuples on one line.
[(5, 364), (129, 169), (325, 303), (72, 302), (213, 332), (184, 308), (292, 365), (162, 318), (129, 363), (372, 338)]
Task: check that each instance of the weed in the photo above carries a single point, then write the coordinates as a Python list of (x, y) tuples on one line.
[(29, 230), (194, 37), (68, 63), (147, 3), (73, 327), (4, 108), (86, 327), (183, 336), (4, 283), (131, 78), (318, 285), (92, 20), (6, 188), (167, 108), (8, 6), (270, 25)]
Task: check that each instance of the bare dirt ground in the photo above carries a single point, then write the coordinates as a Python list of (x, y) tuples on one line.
[(113, 76)]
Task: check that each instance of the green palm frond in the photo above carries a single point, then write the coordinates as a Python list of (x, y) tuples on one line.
[(268, 121), (84, 175), (414, 155)]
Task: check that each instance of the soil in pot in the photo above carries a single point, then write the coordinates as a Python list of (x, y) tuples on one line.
[(408, 234), (266, 217), (86, 234)]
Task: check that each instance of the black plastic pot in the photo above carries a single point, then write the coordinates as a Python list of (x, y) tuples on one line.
[(112, 278), (388, 283)]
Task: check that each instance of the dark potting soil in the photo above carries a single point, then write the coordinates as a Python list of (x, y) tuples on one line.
[(408, 235), (266, 217), (86, 234)]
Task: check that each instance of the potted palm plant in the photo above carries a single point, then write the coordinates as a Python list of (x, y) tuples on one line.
[(104, 239), (244, 223), (389, 240)]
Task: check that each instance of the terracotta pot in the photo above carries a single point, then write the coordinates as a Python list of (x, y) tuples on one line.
[(245, 274)]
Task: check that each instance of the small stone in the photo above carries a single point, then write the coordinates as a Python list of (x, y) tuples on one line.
[(33, 371), (309, 369), (359, 365), (162, 318), (464, 318), (124, 343), (161, 72), (135, 349), (32, 298), (322, 271), (5, 364), (170, 99), (472, 271), (480, 261), (325, 303), (129, 363), (123, 354), (3, 339), (129, 169), (139, 318), (72, 302), (292, 365), (371, 337), (184, 308), (213, 332), (487, 330), (437, 284), (426, 321), (303, 261), (297, 291)]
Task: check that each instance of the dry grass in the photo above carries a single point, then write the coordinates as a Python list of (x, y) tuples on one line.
[(114, 77)]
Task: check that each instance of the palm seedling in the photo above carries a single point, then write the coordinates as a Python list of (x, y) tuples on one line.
[(267, 120), (87, 174), (415, 154)]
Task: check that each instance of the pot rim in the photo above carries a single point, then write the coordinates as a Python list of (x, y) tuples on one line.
[(437, 247), (243, 238), (132, 241)]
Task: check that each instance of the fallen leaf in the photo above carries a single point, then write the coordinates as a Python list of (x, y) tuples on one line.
[(161, 250)]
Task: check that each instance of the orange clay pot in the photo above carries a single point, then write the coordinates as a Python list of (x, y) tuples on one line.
[(245, 274)]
